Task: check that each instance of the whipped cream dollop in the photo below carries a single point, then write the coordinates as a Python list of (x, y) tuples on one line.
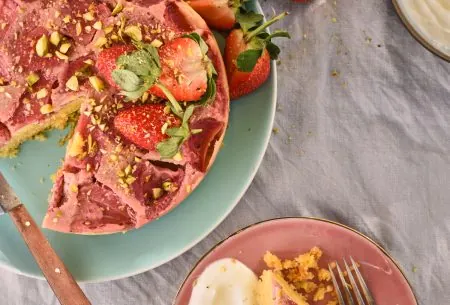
[(225, 282), (431, 18)]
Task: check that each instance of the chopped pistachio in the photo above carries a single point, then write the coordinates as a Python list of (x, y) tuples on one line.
[(169, 186), (117, 9), (100, 42), (42, 46), (78, 29), (66, 19), (157, 192), (76, 145), (108, 29), (156, 43), (89, 62), (196, 131), (96, 83), (130, 179), (167, 110), (98, 25), (32, 79), (72, 83), (42, 93), (144, 96), (61, 55), (46, 109), (178, 157), (74, 188), (89, 16), (164, 127), (134, 32), (65, 47), (55, 38)]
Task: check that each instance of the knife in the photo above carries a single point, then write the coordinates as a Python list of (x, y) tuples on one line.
[(61, 281)]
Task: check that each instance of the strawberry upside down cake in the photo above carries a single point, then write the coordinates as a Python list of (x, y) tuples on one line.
[(151, 83)]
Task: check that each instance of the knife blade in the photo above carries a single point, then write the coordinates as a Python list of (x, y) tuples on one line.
[(8, 199), (58, 276)]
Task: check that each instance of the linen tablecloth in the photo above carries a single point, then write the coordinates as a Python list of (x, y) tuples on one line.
[(362, 137)]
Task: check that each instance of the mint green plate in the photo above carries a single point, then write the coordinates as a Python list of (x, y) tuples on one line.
[(109, 257)]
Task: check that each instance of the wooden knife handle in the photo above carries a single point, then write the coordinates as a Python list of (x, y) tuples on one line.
[(61, 281)]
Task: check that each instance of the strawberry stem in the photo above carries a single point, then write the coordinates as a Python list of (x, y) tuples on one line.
[(176, 107), (263, 26)]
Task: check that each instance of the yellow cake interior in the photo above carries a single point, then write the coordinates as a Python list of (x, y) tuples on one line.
[(55, 121)]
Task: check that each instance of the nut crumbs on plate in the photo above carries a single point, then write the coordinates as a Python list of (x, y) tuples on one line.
[(304, 275)]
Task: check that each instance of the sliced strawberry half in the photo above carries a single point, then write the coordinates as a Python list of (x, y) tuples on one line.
[(143, 125), (184, 71), (218, 14), (106, 61), (184, 68)]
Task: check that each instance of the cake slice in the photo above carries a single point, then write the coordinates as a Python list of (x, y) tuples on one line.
[(41, 48), (274, 290), (136, 151)]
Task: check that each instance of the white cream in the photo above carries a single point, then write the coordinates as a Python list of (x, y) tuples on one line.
[(431, 18), (225, 282)]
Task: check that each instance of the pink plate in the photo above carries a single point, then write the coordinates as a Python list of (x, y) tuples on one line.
[(287, 237)]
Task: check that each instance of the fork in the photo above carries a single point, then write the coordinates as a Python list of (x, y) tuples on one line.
[(360, 290)]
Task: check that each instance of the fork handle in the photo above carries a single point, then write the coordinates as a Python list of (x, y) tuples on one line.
[(61, 281)]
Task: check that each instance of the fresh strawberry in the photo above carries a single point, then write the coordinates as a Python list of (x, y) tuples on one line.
[(184, 72), (248, 52), (143, 125), (218, 14), (180, 67), (106, 61)]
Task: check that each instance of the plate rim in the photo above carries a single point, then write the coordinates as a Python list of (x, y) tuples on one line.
[(417, 36), (385, 252), (274, 84)]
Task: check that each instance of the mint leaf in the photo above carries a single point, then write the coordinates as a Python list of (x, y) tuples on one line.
[(136, 94), (178, 135), (169, 148), (188, 113), (247, 60), (126, 79), (248, 20), (142, 69)]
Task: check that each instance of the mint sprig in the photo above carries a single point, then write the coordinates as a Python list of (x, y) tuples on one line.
[(178, 135)]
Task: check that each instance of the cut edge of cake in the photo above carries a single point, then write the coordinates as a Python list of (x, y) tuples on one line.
[(58, 120)]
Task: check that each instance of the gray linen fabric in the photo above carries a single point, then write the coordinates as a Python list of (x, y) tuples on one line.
[(364, 139)]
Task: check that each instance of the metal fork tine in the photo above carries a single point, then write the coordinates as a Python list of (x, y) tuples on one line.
[(336, 287), (344, 284), (354, 285), (362, 283)]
